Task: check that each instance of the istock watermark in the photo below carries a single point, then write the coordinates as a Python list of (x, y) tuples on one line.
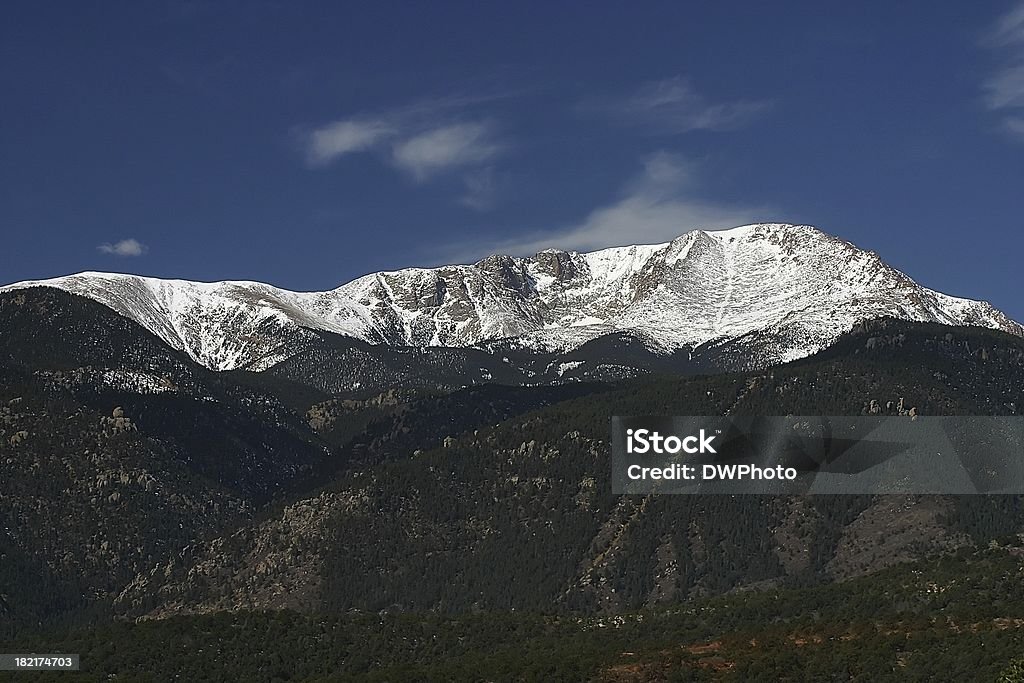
[(647, 441), (817, 454)]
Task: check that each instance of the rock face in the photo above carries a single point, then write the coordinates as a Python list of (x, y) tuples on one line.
[(792, 289)]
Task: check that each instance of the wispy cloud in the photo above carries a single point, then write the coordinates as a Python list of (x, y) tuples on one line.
[(673, 106), (1004, 90), (128, 247), (1015, 126), (335, 140), (454, 146), (481, 189), (658, 205), (422, 139), (1010, 27)]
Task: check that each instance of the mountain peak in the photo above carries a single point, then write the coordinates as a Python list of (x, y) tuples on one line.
[(792, 284)]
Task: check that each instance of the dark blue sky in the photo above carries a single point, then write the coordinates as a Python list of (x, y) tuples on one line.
[(307, 143)]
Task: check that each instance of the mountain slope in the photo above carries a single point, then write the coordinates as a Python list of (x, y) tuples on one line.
[(487, 498), (520, 514), (789, 290), (917, 622), (116, 450)]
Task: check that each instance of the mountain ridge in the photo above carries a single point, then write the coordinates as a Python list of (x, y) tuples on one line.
[(424, 500), (793, 286)]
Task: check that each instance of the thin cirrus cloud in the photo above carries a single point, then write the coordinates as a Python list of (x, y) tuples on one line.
[(1004, 90), (672, 106), (455, 146), (128, 247), (422, 140), (481, 189), (656, 206), (335, 140)]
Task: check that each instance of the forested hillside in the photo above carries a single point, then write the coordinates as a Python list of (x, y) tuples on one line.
[(137, 484)]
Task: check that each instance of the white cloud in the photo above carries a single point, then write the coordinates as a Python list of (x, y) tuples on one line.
[(331, 141), (672, 106), (128, 247), (1015, 126), (657, 206), (454, 146), (1010, 27), (422, 139), (327, 143), (1004, 90), (481, 189)]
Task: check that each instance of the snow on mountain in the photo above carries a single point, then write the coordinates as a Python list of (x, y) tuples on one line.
[(792, 284)]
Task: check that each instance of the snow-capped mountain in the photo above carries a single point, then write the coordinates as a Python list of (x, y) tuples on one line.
[(793, 287)]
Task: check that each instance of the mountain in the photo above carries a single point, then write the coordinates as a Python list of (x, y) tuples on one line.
[(948, 618), (127, 447), (771, 292), (140, 484), (518, 513), (135, 452)]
